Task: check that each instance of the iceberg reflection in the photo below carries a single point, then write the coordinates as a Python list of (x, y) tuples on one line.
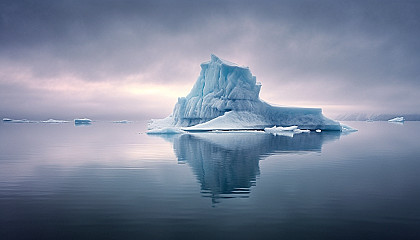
[(227, 164)]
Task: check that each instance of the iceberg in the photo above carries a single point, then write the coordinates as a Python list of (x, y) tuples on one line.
[(397, 119), (226, 97), (82, 121), (285, 131)]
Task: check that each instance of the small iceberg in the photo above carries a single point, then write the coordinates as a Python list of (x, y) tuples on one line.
[(82, 121), (54, 121), (285, 131), (276, 129), (397, 119), (301, 131)]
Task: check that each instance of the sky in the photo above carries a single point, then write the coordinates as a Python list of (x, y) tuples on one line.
[(116, 60)]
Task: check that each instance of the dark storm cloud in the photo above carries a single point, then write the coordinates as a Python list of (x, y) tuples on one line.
[(364, 51), (99, 39)]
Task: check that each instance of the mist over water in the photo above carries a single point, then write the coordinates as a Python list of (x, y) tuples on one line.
[(107, 180)]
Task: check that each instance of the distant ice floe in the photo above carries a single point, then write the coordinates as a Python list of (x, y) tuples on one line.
[(9, 120), (54, 121), (397, 119), (82, 121), (18, 120), (122, 121)]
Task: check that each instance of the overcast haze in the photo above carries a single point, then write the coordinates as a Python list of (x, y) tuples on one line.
[(132, 59)]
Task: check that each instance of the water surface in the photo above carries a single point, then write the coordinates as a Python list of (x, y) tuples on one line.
[(112, 181)]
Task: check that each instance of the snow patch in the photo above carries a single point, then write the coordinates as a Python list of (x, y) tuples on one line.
[(232, 121)]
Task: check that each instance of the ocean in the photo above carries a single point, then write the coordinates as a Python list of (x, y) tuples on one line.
[(113, 181)]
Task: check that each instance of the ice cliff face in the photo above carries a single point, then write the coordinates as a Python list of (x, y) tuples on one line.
[(224, 87), (221, 87)]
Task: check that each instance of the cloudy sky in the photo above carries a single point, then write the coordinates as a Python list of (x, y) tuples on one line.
[(132, 59)]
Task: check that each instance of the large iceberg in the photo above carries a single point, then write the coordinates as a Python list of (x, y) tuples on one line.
[(226, 97)]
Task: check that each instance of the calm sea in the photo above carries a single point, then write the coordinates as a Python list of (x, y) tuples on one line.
[(113, 181)]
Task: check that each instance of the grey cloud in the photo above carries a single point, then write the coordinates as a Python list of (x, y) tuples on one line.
[(359, 46)]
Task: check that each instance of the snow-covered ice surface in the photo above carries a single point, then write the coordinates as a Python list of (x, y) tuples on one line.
[(232, 120), (397, 119), (155, 126), (226, 97), (347, 129)]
